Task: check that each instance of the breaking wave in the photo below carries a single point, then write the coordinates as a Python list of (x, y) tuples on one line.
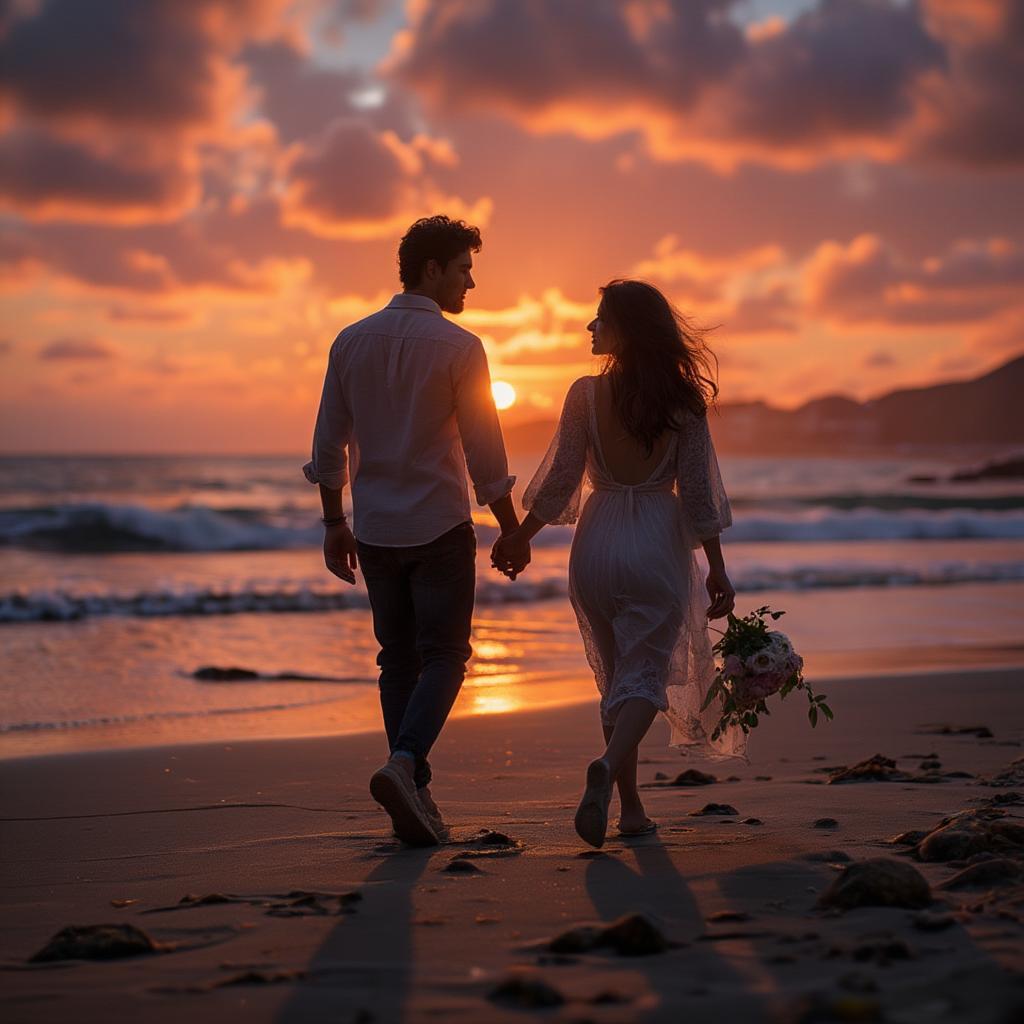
[(99, 527), (66, 606)]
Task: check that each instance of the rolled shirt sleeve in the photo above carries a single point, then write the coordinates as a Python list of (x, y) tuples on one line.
[(331, 436), (477, 420)]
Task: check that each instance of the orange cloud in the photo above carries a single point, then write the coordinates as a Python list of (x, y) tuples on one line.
[(549, 329), (354, 182), (867, 281), (43, 177), (873, 78), (77, 349)]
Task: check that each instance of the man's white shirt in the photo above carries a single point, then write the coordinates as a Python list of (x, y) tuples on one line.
[(406, 410)]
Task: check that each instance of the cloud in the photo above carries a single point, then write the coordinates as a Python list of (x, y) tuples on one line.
[(47, 178), (548, 329), (868, 281), (152, 315), (154, 68), (773, 311), (112, 110), (879, 360), (300, 97), (354, 182), (844, 78), (76, 350), (972, 114), (699, 279), (6, 347), (1000, 338), (155, 260), (747, 292)]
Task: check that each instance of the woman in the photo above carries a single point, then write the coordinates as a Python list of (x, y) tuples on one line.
[(638, 434)]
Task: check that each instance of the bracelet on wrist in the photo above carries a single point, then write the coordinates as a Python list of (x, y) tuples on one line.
[(341, 520)]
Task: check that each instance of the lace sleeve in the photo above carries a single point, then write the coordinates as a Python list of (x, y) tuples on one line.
[(702, 496), (553, 494)]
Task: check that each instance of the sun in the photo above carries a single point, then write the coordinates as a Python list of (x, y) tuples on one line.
[(504, 394)]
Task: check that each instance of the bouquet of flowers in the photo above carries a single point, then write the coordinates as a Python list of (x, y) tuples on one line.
[(757, 662)]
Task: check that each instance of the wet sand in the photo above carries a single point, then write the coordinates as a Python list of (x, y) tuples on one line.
[(269, 886)]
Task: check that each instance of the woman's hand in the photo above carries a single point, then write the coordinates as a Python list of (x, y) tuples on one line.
[(722, 594), (340, 552), (511, 554)]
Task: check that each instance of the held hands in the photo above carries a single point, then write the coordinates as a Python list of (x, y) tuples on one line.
[(722, 594), (340, 552), (510, 554)]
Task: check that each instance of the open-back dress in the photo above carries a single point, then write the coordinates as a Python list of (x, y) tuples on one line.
[(634, 582)]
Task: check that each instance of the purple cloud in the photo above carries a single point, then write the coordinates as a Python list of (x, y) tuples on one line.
[(76, 350)]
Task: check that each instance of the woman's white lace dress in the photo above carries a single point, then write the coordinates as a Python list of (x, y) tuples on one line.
[(634, 582)]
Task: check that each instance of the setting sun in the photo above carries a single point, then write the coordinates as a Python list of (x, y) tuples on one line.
[(504, 394)]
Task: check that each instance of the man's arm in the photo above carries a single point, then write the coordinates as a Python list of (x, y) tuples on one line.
[(330, 500), (482, 442), (339, 543), (329, 469)]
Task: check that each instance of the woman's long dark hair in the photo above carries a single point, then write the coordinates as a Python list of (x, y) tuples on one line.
[(661, 364)]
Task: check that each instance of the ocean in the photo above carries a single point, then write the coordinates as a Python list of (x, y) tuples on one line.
[(122, 577)]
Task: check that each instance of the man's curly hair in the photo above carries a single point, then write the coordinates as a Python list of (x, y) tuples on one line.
[(433, 238)]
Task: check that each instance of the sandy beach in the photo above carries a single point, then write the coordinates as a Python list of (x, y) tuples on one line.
[(270, 887)]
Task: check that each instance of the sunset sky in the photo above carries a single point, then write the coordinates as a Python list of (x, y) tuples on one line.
[(197, 195)]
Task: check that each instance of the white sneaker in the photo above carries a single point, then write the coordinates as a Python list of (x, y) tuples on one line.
[(393, 789)]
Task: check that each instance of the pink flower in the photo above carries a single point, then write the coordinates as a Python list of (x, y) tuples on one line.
[(753, 688)]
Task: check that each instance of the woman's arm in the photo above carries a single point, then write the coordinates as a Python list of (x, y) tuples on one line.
[(720, 588), (553, 495)]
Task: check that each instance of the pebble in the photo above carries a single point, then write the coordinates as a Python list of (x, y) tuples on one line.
[(981, 731), (829, 856), (997, 871), (630, 935), (693, 777), (985, 830), (714, 809), (875, 769), (526, 991), (461, 866), (96, 942), (878, 882)]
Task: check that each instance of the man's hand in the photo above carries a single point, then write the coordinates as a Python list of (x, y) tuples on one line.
[(510, 554), (722, 594), (340, 552)]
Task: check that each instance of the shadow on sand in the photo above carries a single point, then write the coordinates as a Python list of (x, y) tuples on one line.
[(364, 968), (655, 887)]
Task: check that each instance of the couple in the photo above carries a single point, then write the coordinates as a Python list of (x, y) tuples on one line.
[(407, 409)]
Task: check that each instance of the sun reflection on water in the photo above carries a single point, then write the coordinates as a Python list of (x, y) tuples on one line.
[(493, 704)]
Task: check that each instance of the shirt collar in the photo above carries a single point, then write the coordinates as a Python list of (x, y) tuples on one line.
[(403, 300)]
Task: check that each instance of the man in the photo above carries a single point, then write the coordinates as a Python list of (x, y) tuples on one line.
[(403, 388)]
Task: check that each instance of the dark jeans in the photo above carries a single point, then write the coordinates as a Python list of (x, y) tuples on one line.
[(422, 603)]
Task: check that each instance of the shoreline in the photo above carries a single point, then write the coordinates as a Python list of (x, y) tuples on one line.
[(478, 701), (277, 832)]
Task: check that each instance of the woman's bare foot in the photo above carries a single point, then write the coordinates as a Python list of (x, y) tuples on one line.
[(633, 817)]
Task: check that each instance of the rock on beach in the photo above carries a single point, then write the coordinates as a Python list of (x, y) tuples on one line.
[(878, 882)]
